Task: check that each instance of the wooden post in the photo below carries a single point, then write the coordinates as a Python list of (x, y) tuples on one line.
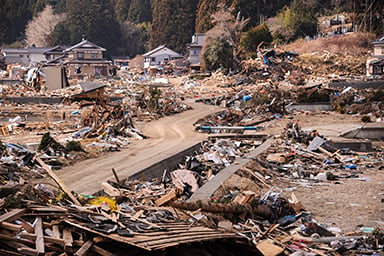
[(57, 180)]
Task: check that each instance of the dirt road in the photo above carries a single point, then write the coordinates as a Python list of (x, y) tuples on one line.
[(167, 136)]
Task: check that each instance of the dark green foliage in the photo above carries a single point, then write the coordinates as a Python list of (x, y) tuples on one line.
[(48, 142), (121, 10), (204, 13), (258, 10), (173, 23), (366, 119), (14, 16), (154, 96), (252, 38), (60, 35), (297, 21), (217, 53), (134, 39), (376, 96), (73, 146), (95, 20), (140, 11)]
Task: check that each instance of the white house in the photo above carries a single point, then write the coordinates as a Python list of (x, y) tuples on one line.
[(26, 57), (155, 58)]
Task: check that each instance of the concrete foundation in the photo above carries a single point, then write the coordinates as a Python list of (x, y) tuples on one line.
[(314, 106), (358, 145), (373, 131)]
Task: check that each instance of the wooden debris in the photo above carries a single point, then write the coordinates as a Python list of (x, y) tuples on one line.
[(58, 181), (84, 248), (39, 235), (172, 195), (269, 249)]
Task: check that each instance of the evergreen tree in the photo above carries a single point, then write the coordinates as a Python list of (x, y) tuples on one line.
[(296, 21), (140, 11), (95, 20), (135, 38), (173, 23), (14, 15), (252, 38), (121, 9)]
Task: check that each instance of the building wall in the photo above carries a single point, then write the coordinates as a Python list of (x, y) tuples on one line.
[(378, 50)]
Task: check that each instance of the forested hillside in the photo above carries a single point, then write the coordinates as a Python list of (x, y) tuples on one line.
[(130, 27)]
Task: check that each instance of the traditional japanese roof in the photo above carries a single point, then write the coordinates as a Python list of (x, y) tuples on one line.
[(84, 44)]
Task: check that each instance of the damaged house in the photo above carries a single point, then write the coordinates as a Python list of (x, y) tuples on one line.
[(375, 62)]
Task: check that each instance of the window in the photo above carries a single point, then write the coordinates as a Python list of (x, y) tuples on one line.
[(95, 56), (382, 50), (80, 55), (153, 59), (195, 53)]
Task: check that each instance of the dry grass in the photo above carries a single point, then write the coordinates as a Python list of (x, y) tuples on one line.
[(342, 55), (351, 44)]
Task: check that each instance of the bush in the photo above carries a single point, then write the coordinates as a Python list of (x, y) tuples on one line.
[(251, 39), (73, 146)]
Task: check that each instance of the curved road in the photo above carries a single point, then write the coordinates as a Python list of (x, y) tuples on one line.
[(167, 136)]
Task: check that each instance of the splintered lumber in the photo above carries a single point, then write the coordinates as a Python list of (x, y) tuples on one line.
[(12, 215), (172, 195), (28, 251), (58, 181), (84, 248), (39, 235), (67, 236), (56, 231), (260, 210)]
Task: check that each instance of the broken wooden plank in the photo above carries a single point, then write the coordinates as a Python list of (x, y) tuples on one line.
[(56, 231), (12, 215), (110, 190), (57, 180), (27, 226), (67, 236), (11, 227), (28, 251), (39, 236), (84, 248), (172, 195)]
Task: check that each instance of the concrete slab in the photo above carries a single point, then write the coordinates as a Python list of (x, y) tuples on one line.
[(205, 192)]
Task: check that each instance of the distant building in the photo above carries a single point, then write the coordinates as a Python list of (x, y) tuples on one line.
[(26, 57), (158, 57), (194, 51), (375, 62), (82, 59)]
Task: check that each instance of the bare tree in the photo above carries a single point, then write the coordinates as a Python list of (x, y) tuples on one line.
[(40, 28), (230, 25)]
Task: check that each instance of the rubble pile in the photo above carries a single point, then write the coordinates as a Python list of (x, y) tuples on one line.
[(276, 66), (362, 101), (144, 216)]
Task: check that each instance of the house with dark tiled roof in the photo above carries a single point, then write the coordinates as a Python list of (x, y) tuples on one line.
[(82, 59)]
